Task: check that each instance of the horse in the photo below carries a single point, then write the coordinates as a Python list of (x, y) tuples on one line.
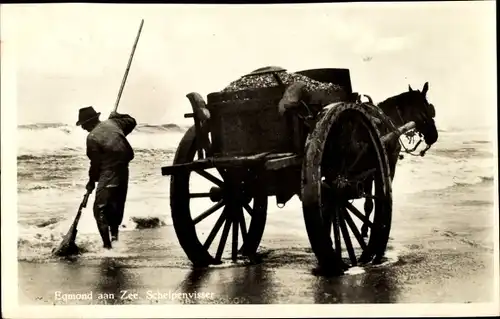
[(398, 110)]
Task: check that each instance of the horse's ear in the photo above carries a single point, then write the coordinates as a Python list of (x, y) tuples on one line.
[(409, 88), (426, 88)]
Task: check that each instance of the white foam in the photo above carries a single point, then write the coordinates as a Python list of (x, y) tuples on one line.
[(391, 256), (355, 271), (99, 252)]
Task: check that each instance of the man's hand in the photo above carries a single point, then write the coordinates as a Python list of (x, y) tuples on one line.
[(113, 114), (90, 186)]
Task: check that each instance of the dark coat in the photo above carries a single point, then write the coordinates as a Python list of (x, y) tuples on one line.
[(109, 151)]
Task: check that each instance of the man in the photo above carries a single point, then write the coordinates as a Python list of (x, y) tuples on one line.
[(110, 154)]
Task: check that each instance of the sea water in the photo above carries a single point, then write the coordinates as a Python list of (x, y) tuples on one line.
[(53, 171)]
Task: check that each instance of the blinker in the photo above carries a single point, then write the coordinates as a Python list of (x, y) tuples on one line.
[(432, 110)]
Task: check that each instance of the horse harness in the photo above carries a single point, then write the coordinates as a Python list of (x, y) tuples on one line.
[(392, 127)]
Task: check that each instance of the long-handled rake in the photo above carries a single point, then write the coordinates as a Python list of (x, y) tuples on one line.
[(68, 246)]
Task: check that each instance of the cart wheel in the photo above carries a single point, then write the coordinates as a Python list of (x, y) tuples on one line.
[(206, 206), (346, 163)]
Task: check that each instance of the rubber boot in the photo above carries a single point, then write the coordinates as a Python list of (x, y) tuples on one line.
[(114, 233), (104, 231)]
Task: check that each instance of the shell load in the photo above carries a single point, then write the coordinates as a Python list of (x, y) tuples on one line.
[(268, 80)]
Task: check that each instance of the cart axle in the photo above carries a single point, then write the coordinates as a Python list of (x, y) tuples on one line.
[(216, 194), (343, 188)]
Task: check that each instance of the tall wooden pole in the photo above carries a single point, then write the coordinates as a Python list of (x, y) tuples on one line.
[(128, 66)]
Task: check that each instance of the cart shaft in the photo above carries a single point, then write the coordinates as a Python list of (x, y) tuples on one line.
[(395, 134)]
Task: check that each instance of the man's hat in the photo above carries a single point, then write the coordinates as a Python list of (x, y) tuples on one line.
[(86, 114)]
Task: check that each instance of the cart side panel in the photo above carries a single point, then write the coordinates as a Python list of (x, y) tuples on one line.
[(248, 122)]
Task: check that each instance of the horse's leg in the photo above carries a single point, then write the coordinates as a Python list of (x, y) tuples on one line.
[(394, 149), (393, 159), (368, 206)]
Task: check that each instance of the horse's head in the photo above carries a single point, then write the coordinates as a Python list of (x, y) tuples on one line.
[(415, 107)]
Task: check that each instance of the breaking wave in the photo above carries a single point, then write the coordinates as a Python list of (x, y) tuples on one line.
[(52, 172), (59, 139), (69, 128)]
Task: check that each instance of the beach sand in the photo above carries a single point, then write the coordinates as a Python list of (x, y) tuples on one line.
[(441, 250)]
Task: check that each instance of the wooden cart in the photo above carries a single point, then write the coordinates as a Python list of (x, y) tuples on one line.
[(246, 151)]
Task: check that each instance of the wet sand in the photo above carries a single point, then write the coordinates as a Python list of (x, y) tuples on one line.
[(441, 251)]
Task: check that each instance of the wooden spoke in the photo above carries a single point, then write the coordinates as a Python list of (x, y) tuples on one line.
[(329, 224), (327, 219), (347, 238), (248, 209), (208, 245), (234, 250), (354, 229), (366, 145), (215, 230), (208, 212), (210, 177), (336, 233), (356, 160), (359, 154), (372, 197), (358, 214), (243, 226), (342, 168), (345, 168), (365, 174), (355, 128), (325, 185), (345, 160), (223, 239), (199, 195)]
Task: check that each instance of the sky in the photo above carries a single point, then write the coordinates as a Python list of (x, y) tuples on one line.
[(73, 55)]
